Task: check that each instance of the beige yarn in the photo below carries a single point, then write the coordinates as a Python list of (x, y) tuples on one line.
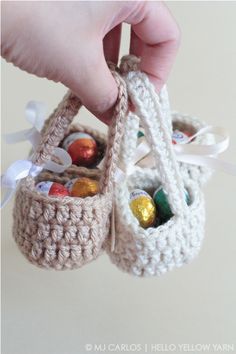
[(154, 251), (66, 233)]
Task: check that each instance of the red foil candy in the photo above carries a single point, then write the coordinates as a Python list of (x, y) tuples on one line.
[(52, 189)]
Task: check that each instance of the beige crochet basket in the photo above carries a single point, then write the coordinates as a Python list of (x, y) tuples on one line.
[(66, 233), (100, 138), (154, 251)]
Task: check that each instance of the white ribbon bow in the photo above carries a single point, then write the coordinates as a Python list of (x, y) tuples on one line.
[(195, 154), (18, 170), (35, 114)]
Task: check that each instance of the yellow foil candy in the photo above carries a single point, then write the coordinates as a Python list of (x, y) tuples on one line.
[(143, 208), (83, 187)]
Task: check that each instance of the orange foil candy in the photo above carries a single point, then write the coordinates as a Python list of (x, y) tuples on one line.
[(82, 148)]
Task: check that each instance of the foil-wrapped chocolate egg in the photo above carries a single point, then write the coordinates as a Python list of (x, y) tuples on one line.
[(83, 187), (180, 137), (143, 207), (141, 133), (162, 204), (82, 148), (52, 189)]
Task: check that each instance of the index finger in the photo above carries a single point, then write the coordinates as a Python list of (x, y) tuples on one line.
[(155, 37)]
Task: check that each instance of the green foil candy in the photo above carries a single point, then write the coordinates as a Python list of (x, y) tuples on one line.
[(162, 204), (140, 134)]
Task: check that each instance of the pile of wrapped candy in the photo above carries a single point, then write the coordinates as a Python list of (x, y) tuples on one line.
[(150, 210), (84, 151)]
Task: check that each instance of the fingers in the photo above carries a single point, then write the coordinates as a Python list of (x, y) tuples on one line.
[(89, 77), (156, 36), (136, 45), (65, 43), (96, 86), (111, 44)]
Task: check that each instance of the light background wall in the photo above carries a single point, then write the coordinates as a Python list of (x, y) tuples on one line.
[(46, 312)]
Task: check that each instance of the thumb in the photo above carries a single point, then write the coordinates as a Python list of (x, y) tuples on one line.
[(89, 77)]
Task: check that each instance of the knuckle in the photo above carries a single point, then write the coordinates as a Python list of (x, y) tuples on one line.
[(103, 102), (175, 34)]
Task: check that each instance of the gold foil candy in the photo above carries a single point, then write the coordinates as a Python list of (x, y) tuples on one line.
[(143, 208), (83, 187)]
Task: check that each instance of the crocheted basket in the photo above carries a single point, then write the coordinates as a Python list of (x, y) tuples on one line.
[(200, 174), (175, 120), (66, 233), (154, 251), (99, 137)]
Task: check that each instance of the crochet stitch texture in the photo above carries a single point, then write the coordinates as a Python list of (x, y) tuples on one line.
[(66, 233), (154, 251), (175, 120)]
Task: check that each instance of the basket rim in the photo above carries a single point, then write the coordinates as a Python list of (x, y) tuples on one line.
[(122, 202), (27, 187), (95, 132)]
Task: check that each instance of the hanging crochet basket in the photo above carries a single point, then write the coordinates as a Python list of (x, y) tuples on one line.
[(155, 250), (99, 137), (200, 174), (68, 232), (175, 120)]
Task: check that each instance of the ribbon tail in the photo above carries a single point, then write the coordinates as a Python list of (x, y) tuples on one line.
[(35, 114), (8, 195), (207, 161), (18, 170), (65, 159), (32, 135), (17, 137)]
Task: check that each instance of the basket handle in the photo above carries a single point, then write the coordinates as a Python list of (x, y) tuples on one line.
[(158, 135), (129, 142), (131, 63), (115, 133), (55, 128), (57, 125)]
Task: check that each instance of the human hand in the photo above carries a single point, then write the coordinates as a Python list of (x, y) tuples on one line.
[(69, 42)]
